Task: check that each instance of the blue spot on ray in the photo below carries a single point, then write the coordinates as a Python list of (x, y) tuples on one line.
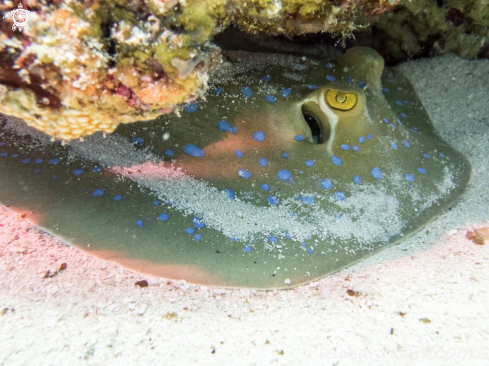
[(247, 249), (369, 136), (272, 239), (329, 65), (26, 161), (263, 162), (163, 217), (410, 178), (4, 154), (326, 184), (330, 78), (265, 187), (189, 230), (427, 156), (310, 162), (156, 202), (190, 107), (313, 87), (361, 84), (345, 147), (78, 171), (246, 91), (229, 192), (266, 78), (406, 143), (308, 200), (394, 145), (97, 169), (422, 170), (356, 148), (193, 150), (223, 126), (336, 160), (117, 197), (218, 90), (197, 223), (339, 196), (38, 161), (361, 140), (169, 152), (98, 193), (272, 200), (140, 223), (377, 173), (285, 155), (137, 141), (270, 98), (357, 179), (243, 173), (259, 136), (284, 174), (238, 153), (197, 237), (299, 137), (285, 92)]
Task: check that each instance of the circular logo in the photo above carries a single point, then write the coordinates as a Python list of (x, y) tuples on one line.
[(20, 18)]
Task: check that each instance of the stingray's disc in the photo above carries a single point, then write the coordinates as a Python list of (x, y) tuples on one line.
[(282, 176)]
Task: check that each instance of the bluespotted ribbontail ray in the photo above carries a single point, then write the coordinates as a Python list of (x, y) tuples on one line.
[(279, 177)]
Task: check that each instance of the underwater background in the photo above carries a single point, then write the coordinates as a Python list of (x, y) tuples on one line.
[(119, 196)]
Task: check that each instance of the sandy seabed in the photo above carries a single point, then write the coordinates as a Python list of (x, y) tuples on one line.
[(422, 302)]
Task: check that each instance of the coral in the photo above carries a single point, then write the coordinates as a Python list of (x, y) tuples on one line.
[(83, 67), (88, 66), (292, 17), (432, 27)]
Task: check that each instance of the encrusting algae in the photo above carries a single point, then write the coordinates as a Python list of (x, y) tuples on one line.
[(83, 67), (86, 67)]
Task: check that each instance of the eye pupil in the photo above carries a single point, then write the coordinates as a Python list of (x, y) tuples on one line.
[(341, 98)]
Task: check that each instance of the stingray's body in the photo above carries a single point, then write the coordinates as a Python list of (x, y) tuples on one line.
[(269, 183)]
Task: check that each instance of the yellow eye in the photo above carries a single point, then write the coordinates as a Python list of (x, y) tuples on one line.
[(340, 100)]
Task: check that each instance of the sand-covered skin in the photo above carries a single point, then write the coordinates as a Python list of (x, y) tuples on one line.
[(421, 302)]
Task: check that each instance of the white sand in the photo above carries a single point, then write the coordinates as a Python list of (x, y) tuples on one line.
[(92, 314)]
